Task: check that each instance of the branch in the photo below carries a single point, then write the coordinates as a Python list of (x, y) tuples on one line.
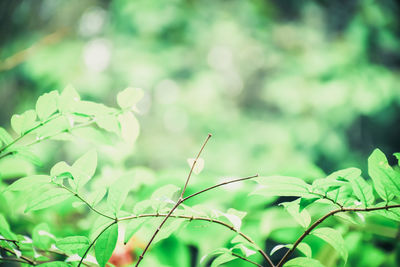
[(323, 218), (194, 163), (180, 201), (26, 259), (191, 218), (55, 116), (94, 241), (87, 203)]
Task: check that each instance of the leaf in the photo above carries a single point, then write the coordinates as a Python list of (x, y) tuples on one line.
[(244, 250), (5, 137), (60, 168), (84, 168), (108, 123), (42, 237), (67, 100), (224, 258), (303, 262), (304, 202), (168, 228), (234, 219), (362, 190), (129, 127), (397, 155), (276, 248), (25, 121), (105, 245), (129, 97), (73, 244), (118, 192), (29, 183), (199, 165), (283, 186), (27, 154), (386, 180), (89, 109), (303, 218), (132, 227), (302, 247), (333, 238), (46, 105), (47, 199), (163, 196)]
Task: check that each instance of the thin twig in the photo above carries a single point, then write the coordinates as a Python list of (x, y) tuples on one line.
[(193, 165), (323, 218), (26, 259), (94, 241), (87, 203), (55, 116), (180, 200)]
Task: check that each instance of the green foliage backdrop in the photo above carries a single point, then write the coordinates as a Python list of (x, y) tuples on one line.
[(288, 88)]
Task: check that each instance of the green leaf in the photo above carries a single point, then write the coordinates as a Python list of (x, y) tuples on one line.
[(118, 192), (293, 208), (164, 196), (47, 199), (129, 127), (73, 244), (29, 183), (302, 247), (105, 245), (386, 180), (168, 228), (362, 190), (303, 262), (199, 165), (397, 155), (224, 258), (46, 105), (304, 202), (68, 99), (84, 168), (133, 226), (283, 186), (108, 123), (25, 121), (129, 97), (26, 153), (42, 237), (333, 238), (5, 137), (89, 108)]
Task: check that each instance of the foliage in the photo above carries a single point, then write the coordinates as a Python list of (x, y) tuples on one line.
[(60, 116)]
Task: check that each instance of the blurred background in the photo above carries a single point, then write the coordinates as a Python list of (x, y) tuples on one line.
[(299, 88)]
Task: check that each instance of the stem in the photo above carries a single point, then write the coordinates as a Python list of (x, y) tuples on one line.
[(180, 201), (55, 116), (94, 241), (323, 218), (194, 163), (87, 203), (220, 184), (191, 218), (26, 259)]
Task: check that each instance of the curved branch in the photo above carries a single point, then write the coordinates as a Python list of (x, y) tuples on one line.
[(323, 218), (194, 218)]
